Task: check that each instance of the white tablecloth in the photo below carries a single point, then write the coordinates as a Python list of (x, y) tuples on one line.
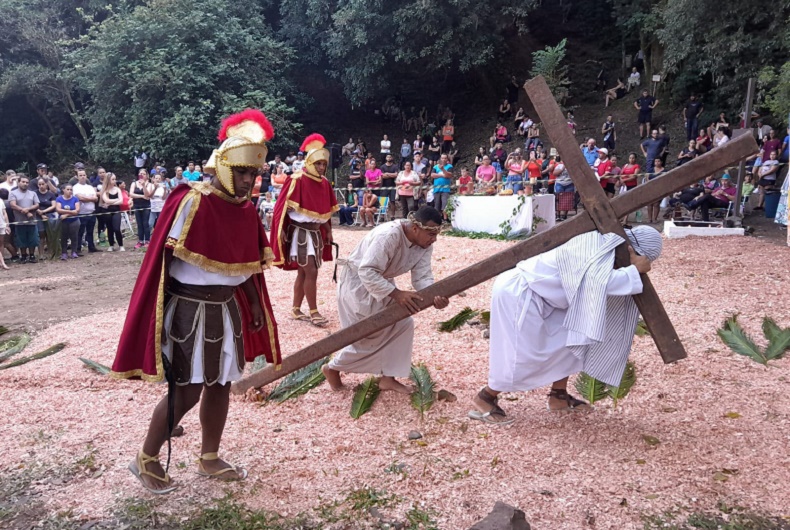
[(486, 214)]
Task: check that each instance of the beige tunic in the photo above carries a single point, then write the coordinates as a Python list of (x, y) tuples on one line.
[(364, 289)]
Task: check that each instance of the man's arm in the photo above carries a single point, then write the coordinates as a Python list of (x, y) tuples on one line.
[(642, 147), (685, 116), (655, 104), (251, 293), (636, 104)]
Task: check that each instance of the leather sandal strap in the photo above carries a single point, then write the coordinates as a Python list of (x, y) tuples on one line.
[(209, 456), (493, 401), (142, 460)]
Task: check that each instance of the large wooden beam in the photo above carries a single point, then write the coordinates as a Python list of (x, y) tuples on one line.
[(480, 272)]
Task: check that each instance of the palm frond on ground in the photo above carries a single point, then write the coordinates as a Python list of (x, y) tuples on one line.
[(458, 320), (300, 382), (423, 396), (365, 395)]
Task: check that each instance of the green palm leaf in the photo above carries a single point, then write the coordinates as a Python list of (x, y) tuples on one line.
[(365, 395), (12, 346), (4, 330), (778, 345), (771, 329), (641, 329), (485, 317), (96, 367), (423, 396), (52, 350), (458, 320), (590, 388), (629, 378), (733, 335), (300, 382)]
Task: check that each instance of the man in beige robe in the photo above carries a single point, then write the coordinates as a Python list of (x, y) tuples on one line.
[(367, 286)]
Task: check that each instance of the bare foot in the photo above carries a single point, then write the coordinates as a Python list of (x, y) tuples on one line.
[(333, 378), (390, 383)]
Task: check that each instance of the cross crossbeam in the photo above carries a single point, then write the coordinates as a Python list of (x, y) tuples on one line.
[(598, 214)]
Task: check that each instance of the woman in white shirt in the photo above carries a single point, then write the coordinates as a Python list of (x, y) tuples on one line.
[(156, 193)]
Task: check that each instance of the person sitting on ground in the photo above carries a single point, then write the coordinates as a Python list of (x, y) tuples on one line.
[(500, 135), (688, 154), (479, 157), (719, 198), (369, 207), (367, 286), (418, 144), (348, 148), (452, 154), (767, 174), (721, 137), (349, 207), (520, 116), (634, 79), (533, 138), (616, 92), (703, 141), (565, 311), (686, 196), (504, 111), (68, 208)]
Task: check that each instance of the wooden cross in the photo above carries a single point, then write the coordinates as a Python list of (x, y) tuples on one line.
[(599, 213)]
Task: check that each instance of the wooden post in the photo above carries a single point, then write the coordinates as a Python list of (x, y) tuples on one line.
[(462, 280), (747, 125)]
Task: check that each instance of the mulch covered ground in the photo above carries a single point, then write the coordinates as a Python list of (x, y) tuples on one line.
[(713, 427)]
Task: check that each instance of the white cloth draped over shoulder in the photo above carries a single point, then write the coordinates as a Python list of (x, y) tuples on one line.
[(565, 311), (364, 288)]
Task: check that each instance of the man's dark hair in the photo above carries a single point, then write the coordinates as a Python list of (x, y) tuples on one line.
[(4, 194), (191, 162), (426, 214)]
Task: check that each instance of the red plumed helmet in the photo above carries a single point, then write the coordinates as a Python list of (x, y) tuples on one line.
[(259, 129), (314, 141)]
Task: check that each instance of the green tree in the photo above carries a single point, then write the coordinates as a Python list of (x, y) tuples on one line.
[(548, 62), (160, 76), (375, 48)]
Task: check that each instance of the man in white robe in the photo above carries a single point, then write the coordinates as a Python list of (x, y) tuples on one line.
[(562, 312), (367, 286)]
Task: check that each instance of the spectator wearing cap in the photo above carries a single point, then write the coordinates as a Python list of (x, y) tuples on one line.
[(590, 152), (603, 168), (718, 198), (52, 182), (298, 164)]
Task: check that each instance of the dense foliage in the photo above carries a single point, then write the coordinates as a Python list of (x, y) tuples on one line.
[(86, 79)]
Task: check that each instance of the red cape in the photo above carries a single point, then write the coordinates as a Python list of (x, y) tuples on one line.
[(305, 194), (219, 235)]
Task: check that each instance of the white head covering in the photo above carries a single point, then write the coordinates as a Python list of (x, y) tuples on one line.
[(646, 241)]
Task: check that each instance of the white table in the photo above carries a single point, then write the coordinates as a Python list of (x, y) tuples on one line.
[(487, 213)]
